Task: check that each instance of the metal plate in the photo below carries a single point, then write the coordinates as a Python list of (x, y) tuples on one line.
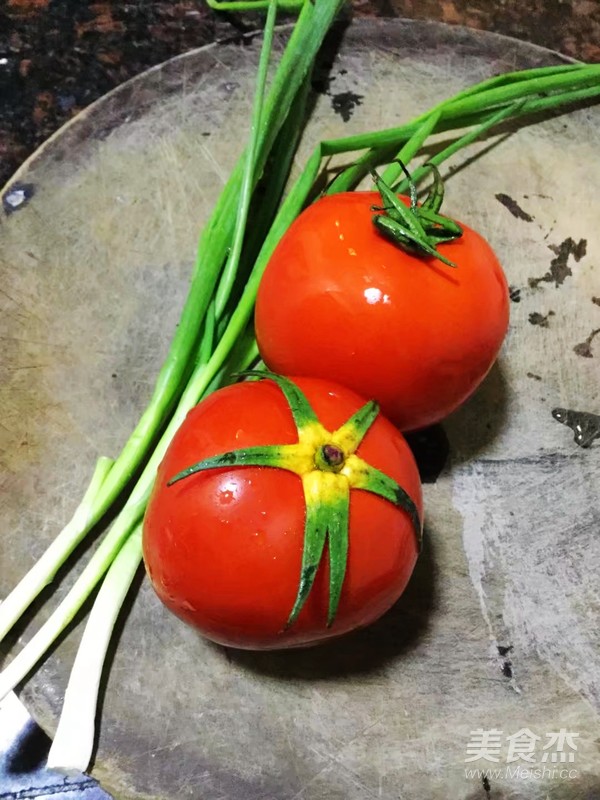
[(500, 627)]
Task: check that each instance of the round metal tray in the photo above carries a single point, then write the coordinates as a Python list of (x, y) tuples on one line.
[(500, 627)]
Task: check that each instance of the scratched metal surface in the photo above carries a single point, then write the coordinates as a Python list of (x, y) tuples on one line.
[(500, 627)]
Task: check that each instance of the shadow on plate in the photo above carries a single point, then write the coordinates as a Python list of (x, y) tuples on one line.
[(473, 428), (362, 651)]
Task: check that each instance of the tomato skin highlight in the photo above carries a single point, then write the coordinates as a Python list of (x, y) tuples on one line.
[(339, 301), (223, 548)]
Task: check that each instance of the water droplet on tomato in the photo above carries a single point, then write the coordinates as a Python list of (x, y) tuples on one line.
[(228, 491), (372, 295)]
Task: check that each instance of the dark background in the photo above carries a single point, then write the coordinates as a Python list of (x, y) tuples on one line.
[(57, 56)]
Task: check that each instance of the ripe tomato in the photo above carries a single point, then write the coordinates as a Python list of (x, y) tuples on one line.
[(340, 301), (223, 548)]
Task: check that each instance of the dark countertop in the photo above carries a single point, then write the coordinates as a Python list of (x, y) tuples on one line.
[(57, 56)]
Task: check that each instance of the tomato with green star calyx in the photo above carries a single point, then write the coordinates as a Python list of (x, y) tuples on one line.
[(353, 296), (285, 512)]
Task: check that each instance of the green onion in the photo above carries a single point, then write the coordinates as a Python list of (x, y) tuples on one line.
[(214, 337), (74, 740), (43, 571)]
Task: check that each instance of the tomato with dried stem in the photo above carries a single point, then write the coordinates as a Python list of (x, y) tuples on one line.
[(354, 293), (285, 512)]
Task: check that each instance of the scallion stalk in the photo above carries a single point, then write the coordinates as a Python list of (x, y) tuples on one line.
[(43, 571), (73, 743), (569, 84)]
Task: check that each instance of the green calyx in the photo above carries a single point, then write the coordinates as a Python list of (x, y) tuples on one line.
[(417, 228), (329, 468)]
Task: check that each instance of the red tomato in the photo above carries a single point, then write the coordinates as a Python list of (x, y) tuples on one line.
[(340, 301), (223, 548)]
